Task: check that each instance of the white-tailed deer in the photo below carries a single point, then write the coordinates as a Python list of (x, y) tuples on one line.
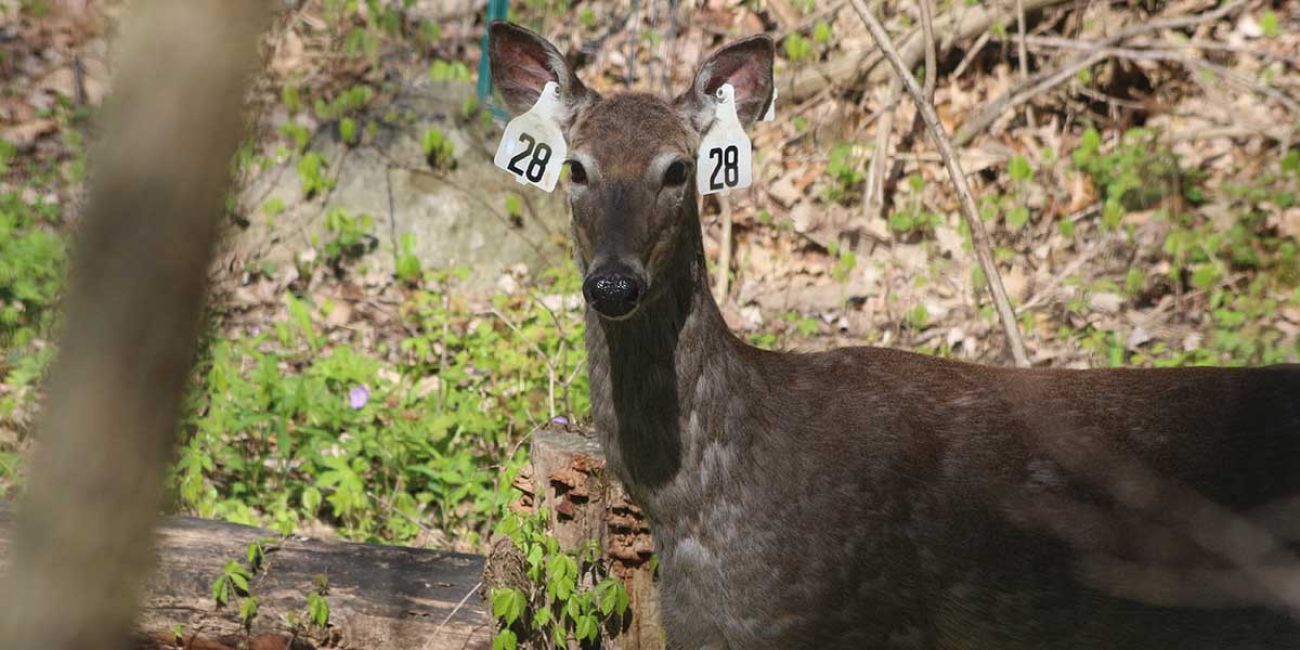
[(865, 497)]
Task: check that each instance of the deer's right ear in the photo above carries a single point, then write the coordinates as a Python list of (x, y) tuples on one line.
[(747, 66), (522, 64)]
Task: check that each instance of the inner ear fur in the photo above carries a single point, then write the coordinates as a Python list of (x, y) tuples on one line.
[(746, 65), (522, 64)]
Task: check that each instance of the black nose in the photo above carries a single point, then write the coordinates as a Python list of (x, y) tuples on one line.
[(612, 293)]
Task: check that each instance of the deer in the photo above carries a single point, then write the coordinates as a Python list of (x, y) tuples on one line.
[(866, 497)]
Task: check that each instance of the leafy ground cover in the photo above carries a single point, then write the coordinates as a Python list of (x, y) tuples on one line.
[(1145, 214)]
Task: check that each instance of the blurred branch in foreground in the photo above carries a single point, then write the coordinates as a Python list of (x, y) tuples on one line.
[(159, 178)]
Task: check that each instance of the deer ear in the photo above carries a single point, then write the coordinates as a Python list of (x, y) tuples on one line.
[(522, 64), (747, 66)]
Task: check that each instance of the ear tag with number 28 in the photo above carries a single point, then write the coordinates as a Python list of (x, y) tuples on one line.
[(533, 147), (726, 158)]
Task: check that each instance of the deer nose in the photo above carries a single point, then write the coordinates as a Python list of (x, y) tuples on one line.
[(613, 293)]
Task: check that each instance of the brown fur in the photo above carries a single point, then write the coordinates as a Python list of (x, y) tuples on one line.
[(872, 498)]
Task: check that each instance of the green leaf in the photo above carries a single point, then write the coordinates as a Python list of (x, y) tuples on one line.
[(1268, 23), (508, 604), (542, 618), (311, 498), (1205, 276), (1019, 168), (248, 610), (797, 48), (588, 628), (221, 590), (348, 130), (505, 640), (822, 32), (1017, 217), (318, 609)]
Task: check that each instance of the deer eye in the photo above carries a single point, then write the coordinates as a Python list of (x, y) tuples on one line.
[(676, 173), (577, 173)]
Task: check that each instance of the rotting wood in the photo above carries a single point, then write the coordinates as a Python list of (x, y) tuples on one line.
[(380, 597), (585, 502)]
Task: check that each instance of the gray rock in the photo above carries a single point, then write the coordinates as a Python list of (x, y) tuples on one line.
[(458, 216)]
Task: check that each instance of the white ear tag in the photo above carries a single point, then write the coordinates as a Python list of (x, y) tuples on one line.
[(770, 115), (533, 147), (726, 158)]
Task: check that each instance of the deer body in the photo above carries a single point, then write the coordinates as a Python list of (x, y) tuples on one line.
[(871, 498)]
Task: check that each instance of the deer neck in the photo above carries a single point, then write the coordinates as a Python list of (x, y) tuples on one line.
[(651, 375)]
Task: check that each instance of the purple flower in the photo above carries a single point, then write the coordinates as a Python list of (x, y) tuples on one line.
[(358, 397), (560, 420)]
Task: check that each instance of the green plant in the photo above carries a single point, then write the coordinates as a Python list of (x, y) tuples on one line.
[(1138, 174), (844, 166), (797, 48), (441, 71), (32, 263), (913, 217), (7, 153), (311, 175), (571, 595), (822, 33), (407, 266), (233, 584), (1268, 23), (348, 131), (438, 150), (280, 429), (297, 134), (349, 235)]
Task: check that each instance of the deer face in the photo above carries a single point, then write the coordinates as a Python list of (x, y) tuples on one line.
[(631, 157)]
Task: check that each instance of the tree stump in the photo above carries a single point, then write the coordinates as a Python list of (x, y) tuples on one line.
[(586, 502)]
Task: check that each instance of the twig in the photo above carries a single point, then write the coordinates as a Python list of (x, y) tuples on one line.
[(827, 13), (1069, 270), (980, 238), (1024, 55), (970, 55), (1047, 80), (1276, 134), (927, 33), (1041, 83), (433, 637), (1163, 55), (873, 199), (960, 24)]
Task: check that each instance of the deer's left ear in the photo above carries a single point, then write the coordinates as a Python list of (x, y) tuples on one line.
[(747, 66)]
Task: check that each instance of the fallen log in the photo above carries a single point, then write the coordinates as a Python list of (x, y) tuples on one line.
[(379, 597)]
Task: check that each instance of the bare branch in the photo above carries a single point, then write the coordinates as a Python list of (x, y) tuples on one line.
[(1024, 53), (927, 36), (873, 198), (980, 238), (1049, 79)]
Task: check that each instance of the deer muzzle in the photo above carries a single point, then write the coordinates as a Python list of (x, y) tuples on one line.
[(614, 290)]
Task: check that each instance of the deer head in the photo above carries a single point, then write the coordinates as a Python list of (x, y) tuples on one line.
[(631, 158)]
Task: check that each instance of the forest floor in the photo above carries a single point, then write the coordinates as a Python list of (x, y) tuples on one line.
[(1137, 167), (1139, 178)]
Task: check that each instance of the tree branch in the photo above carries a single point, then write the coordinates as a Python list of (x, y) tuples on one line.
[(979, 237)]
